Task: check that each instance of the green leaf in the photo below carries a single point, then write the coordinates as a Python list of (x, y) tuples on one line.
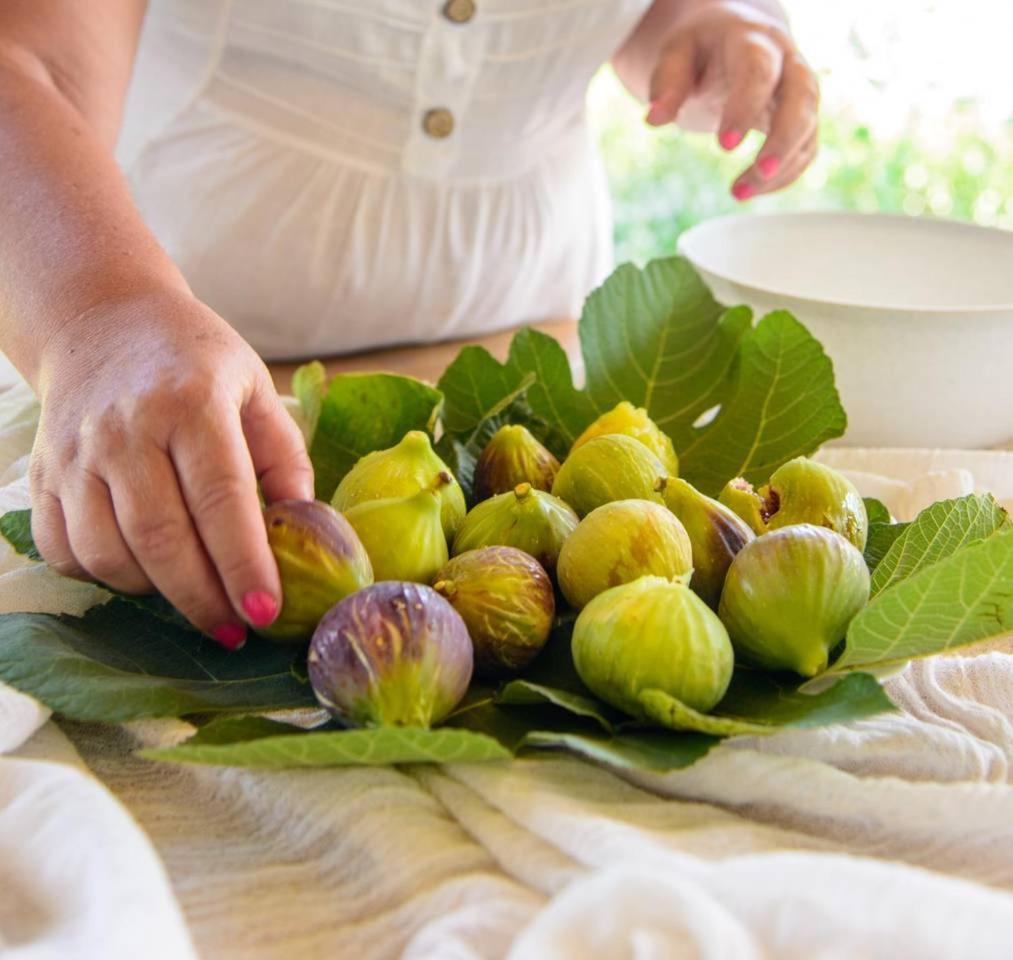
[(936, 533), (881, 538), (363, 412), (338, 748), (783, 404), (118, 663), (16, 527), (226, 729), (763, 703), (961, 600), (655, 750), (309, 386), (526, 693), (877, 511)]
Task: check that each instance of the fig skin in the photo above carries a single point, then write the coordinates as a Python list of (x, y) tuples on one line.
[(403, 536), (631, 421), (652, 634), (393, 654), (790, 595), (715, 532), (401, 471), (739, 496), (507, 602), (620, 542), (511, 457), (320, 561), (530, 520), (613, 467)]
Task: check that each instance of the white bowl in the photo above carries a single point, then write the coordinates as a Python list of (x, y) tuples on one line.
[(916, 314)]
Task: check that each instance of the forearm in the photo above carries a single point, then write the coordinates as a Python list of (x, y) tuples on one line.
[(71, 237), (637, 58)]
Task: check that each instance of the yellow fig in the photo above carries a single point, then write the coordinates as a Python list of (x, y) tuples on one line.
[(613, 467), (633, 422)]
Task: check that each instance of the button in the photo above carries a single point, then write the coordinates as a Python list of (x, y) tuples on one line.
[(459, 11), (438, 123)]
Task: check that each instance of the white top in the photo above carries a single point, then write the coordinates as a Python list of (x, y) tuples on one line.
[(296, 159)]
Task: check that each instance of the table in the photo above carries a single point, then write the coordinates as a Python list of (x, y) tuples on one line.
[(427, 361)]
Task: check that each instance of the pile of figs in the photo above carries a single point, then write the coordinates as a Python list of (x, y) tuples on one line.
[(405, 593)]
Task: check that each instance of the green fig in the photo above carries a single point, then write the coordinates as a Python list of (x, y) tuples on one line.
[(715, 532), (613, 467), (511, 457), (320, 561), (652, 634), (790, 595), (634, 422), (530, 520), (620, 542), (402, 535), (507, 602), (739, 496), (401, 471)]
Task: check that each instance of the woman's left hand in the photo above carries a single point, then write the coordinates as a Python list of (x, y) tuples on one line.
[(733, 67)]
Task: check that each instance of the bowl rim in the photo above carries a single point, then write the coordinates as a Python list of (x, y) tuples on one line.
[(717, 224)]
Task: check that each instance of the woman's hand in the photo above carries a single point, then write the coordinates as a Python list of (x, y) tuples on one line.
[(732, 67), (157, 421)]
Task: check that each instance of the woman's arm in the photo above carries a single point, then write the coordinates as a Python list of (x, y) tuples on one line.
[(157, 419), (729, 66)]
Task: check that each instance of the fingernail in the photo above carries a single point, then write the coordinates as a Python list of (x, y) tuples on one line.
[(230, 635), (768, 166), (260, 607), (743, 191), (655, 114), (730, 139)]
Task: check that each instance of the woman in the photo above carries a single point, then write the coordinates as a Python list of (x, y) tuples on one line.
[(325, 176)]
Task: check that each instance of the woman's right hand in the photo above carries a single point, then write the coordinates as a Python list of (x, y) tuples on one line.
[(157, 421)]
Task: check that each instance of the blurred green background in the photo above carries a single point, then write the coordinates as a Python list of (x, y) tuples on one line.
[(917, 118)]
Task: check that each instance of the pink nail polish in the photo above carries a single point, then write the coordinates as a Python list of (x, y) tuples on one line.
[(230, 635), (654, 113), (260, 607), (730, 139), (743, 191), (768, 166)]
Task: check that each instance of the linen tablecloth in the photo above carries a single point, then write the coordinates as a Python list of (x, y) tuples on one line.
[(891, 837)]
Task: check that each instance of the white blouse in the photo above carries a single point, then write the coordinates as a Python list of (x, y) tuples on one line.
[(333, 175)]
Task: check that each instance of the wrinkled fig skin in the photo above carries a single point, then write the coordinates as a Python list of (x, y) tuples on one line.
[(394, 654), (633, 422), (652, 634), (507, 602), (715, 532), (320, 560), (403, 536), (608, 468), (790, 595), (620, 542), (511, 457), (401, 471), (740, 497), (528, 519), (803, 491)]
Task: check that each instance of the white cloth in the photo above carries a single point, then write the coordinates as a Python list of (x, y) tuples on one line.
[(887, 838), (277, 149)]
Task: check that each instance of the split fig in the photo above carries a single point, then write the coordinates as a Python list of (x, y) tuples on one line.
[(511, 457), (507, 602)]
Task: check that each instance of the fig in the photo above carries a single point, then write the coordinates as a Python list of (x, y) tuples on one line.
[(393, 654), (608, 468), (507, 602), (802, 491), (530, 520), (790, 595), (401, 471), (320, 561), (634, 422), (511, 457), (402, 535), (652, 634), (620, 542), (715, 532)]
